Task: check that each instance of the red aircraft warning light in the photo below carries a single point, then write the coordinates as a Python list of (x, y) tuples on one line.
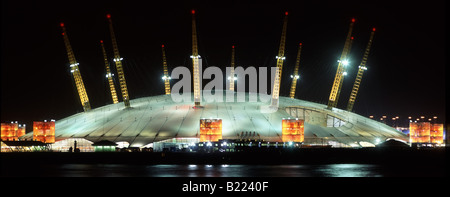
[(62, 24), (108, 16), (193, 11), (373, 29), (286, 13), (353, 20)]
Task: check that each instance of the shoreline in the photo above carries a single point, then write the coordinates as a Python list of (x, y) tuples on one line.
[(383, 156)]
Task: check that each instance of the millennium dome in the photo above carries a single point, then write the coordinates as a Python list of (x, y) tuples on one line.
[(158, 118)]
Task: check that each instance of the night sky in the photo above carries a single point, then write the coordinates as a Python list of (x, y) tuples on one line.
[(405, 75)]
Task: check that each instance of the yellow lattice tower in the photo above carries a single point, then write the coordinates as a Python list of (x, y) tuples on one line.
[(343, 75), (195, 63), (119, 67), (280, 60), (109, 75), (332, 102), (295, 76), (166, 76), (76, 72), (361, 69), (232, 77)]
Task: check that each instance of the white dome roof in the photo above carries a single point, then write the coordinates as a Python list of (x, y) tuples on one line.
[(157, 118)]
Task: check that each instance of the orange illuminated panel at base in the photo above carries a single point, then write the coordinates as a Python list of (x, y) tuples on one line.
[(419, 132), (210, 130), (437, 133), (44, 131), (9, 131), (21, 130), (292, 130)]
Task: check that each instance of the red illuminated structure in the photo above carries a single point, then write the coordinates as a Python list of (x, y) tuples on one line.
[(437, 133), (419, 132), (44, 131), (292, 130), (210, 130), (12, 131)]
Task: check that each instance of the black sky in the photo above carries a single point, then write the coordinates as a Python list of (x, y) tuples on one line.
[(405, 75)]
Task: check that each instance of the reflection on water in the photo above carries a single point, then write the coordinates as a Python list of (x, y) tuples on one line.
[(118, 170)]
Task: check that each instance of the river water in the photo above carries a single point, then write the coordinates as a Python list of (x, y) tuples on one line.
[(127, 170)]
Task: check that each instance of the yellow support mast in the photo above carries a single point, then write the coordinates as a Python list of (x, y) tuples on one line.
[(166, 76), (76, 72), (343, 74), (109, 75), (280, 60), (232, 77), (332, 102), (295, 76), (362, 68), (195, 63), (119, 68)]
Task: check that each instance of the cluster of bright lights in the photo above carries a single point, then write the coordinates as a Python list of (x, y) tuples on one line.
[(73, 70), (118, 59), (235, 78), (166, 77), (377, 140), (76, 64), (282, 58), (295, 77), (344, 73), (198, 56), (344, 62), (362, 67), (109, 75)]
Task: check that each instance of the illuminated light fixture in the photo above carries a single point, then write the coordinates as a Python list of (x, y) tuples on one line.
[(345, 62), (198, 56), (109, 75), (295, 77), (166, 77), (235, 78), (76, 64), (282, 58), (377, 140), (345, 73), (362, 67), (118, 59)]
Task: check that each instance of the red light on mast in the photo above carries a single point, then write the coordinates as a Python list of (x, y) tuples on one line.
[(193, 11), (286, 13), (232, 46), (353, 20), (62, 24), (101, 41), (373, 29), (352, 37), (162, 46), (300, 44), (108, 16)]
